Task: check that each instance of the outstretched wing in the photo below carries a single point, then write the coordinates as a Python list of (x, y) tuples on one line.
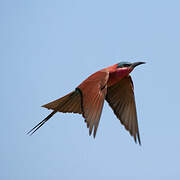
[(93, 91), (121, 99)]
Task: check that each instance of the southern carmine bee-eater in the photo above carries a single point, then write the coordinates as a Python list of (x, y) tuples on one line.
[(113, 84)]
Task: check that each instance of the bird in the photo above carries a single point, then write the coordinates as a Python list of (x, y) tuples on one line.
[(113, 84)]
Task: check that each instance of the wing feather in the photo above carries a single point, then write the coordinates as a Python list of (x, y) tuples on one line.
[(98, 115), (93, 114), (94, 91), (121, 99)]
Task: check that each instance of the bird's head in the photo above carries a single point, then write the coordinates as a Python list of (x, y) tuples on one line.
[(128, 65)]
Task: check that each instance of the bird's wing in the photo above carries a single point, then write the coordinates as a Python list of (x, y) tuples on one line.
[(121, 99), (69, 103), (93, 92)]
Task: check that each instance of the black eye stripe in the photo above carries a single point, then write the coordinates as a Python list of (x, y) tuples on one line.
[(123, 65)]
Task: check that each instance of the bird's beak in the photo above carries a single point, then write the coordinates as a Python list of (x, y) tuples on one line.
[(136, 64)]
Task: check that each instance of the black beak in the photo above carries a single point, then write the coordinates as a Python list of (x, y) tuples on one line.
[(136, 64)]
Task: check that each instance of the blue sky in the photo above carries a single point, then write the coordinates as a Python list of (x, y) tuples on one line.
[(47, 48)]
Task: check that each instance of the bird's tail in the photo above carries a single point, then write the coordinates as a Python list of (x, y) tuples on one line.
[(34, 129), (69, 103)]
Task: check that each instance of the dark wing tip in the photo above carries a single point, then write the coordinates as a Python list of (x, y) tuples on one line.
[(139, 140), (137, 136), (94, 134)]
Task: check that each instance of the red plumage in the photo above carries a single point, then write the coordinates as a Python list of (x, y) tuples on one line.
[(112, 84)]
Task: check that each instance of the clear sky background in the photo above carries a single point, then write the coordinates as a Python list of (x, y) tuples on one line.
[(47, 48)]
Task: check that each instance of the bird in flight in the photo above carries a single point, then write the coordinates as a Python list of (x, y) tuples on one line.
[(113, 84)]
